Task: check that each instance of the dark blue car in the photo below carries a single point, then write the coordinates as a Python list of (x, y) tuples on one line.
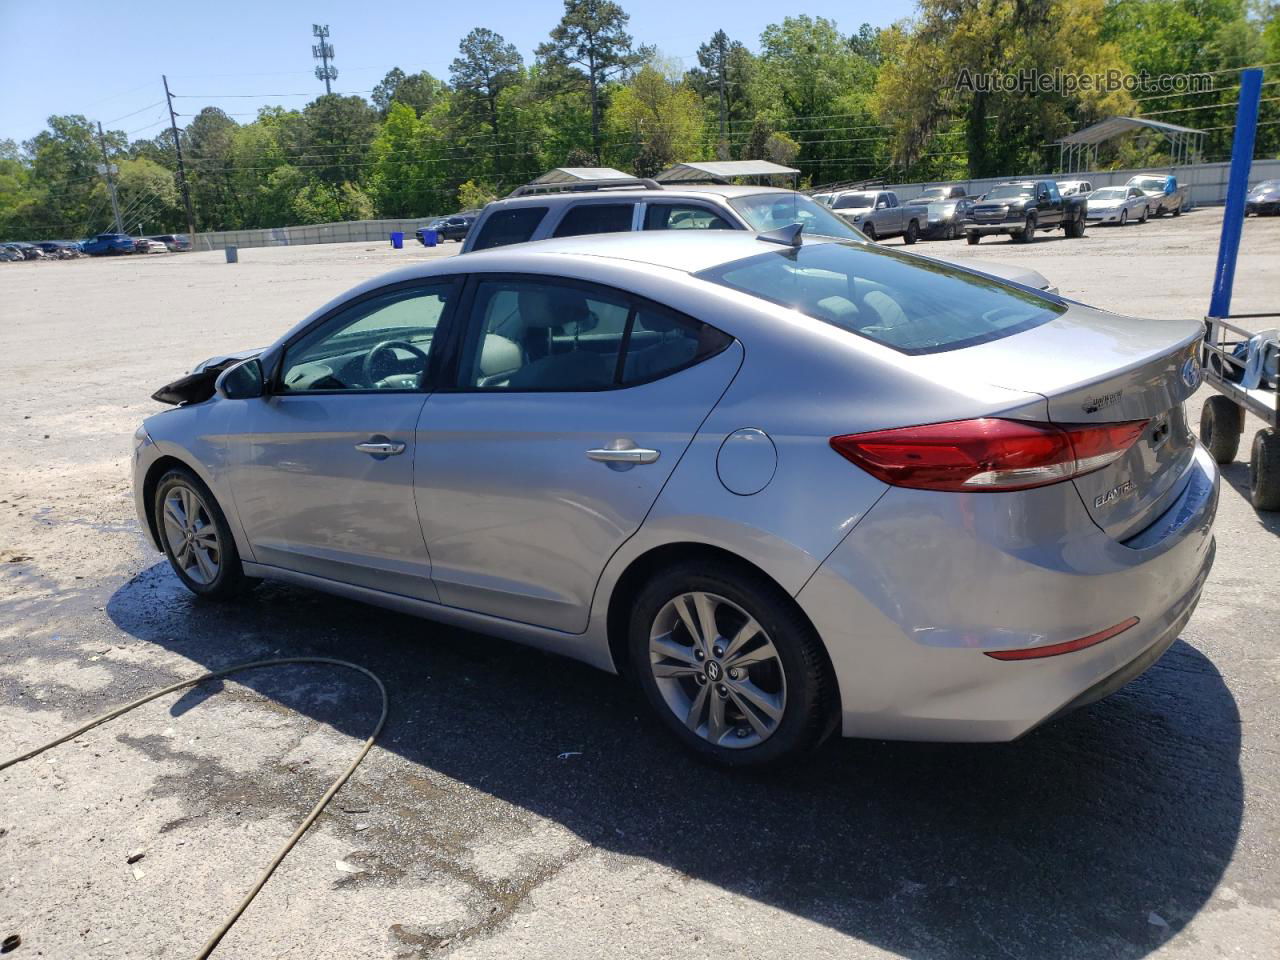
[(107, 244)]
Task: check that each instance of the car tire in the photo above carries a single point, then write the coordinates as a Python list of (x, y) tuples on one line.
[(779, 707), (951, 233), (870, 231), (1264, 470), (1177, 211), (1028, 229), (196, 537), (1221, 422), (912, 234), (972, 237), (1145, 213), (1124, 218), (1075, 229)]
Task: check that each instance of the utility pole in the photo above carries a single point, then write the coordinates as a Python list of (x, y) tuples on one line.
[(182, 170), (107, 168), (323, 51)]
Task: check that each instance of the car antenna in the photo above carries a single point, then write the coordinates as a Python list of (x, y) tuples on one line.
[(788, 236)]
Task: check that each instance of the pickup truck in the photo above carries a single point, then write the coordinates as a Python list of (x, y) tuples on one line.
[(879, 214), (1021, 207), (1163, 193)]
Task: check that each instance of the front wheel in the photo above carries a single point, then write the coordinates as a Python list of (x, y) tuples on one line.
[(1028, 229), (196, 538), (870, 231), (912, 234), (1124, 218), (730, 665), (1145, 213)]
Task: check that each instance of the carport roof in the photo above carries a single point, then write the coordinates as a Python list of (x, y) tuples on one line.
[(1114, 126), (723, 171), (580, 175)]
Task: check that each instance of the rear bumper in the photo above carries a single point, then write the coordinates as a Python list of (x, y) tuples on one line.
[(909, 603)]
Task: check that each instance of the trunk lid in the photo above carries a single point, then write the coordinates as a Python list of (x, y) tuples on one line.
[(1097, 367)]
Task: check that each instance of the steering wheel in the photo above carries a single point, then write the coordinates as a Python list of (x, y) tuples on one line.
[(370, 358)]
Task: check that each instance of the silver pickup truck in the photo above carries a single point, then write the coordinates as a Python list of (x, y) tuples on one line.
[(879, 214), (1164, 195)]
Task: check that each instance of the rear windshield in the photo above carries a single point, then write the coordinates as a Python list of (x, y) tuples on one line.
[(509, 226), (772, 211), (907, 303)]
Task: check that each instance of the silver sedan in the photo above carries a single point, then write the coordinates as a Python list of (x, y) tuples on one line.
[(1117, 205), (787, 487)]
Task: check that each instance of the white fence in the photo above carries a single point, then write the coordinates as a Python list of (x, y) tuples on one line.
[(1207, 182), (352, 231)]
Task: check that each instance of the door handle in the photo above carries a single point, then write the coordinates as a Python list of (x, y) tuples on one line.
[(384, 448), (624, 455)]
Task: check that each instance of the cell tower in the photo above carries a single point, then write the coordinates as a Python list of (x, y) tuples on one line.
[(323, 51)]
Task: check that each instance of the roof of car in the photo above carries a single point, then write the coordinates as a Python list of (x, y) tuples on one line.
[(633, 193)]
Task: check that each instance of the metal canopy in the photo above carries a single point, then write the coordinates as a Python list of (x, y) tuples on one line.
[(1079, 151), (580, 175), (722, 171)]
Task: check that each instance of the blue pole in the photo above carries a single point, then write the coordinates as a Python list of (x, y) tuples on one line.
[(1237, 187)]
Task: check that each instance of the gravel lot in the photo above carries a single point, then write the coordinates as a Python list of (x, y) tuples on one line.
[(1144, 825)]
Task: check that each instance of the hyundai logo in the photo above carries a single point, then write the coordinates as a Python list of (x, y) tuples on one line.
[(1191, 373), (714, 672)]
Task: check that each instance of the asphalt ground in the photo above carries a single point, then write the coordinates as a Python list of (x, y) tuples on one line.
[(520, 805)]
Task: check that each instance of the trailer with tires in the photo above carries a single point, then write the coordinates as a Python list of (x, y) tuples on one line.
[(1227, 352)]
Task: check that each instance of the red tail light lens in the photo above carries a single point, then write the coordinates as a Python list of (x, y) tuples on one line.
[(987, 454)]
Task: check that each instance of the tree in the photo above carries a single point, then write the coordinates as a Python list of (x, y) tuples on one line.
[(337, 136), (472, 195), (591, 42), (719, 60), (654, 123), (487, 65), (420, 91)]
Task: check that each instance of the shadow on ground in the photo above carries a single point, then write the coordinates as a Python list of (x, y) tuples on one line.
[(1081, 839), (1237, 475)]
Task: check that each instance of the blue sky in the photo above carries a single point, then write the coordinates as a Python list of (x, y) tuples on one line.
[(104, 60)]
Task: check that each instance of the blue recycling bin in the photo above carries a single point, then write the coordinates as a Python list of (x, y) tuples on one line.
[(429, 237), (397, 240)]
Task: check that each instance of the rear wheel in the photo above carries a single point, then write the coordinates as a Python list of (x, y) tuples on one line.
[(196, 538), (730, 665), (1075, 228), (1177, 211), (1220, 425), (1264, 470), (972, 237), (1028, 229), (912, 234)]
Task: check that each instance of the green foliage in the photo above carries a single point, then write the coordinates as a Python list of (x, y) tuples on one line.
[(840, 107)]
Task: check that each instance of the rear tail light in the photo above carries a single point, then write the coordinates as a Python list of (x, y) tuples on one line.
[(987, 454)]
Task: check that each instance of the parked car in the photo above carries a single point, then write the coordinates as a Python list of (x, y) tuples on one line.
[(935, 194), (174, 242), (944, 218), (879, 214), (649, 206), (784, 486), (1163, 193), (448, 228), (10, 254), (1264, 198), (146, 245), (1118, 205), (107, 244), (1021, 207), (29, 251), (1070, 188)]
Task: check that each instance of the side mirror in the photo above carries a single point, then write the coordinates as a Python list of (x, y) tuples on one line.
[(882, 205), (241, 382)]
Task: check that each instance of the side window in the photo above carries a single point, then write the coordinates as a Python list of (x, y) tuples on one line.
[(509, 226), (1051, 191), (682, 216), (380, 343), (595, 218), (543, 335)]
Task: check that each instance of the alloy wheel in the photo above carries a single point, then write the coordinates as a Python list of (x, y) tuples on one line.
[(192, 535), (717, 670)]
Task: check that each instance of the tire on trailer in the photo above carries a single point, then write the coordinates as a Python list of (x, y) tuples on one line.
[(1264, 470), (1220, 425)]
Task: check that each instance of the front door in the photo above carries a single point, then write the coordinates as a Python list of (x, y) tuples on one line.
[(571, 406), (323, 474)]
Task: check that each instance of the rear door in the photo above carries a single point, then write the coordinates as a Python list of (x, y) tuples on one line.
[(571, 404)]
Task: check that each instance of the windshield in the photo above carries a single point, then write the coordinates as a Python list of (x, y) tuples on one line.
[(1010, 190), (771, 211), (933, 193), (1110, 193), (1148, 183), (911, 304), (854, 201)]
